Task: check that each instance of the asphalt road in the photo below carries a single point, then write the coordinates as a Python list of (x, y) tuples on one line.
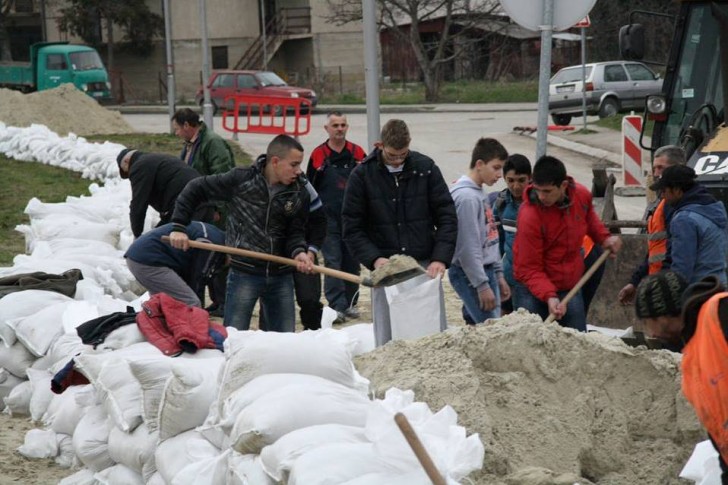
[(447, 137)]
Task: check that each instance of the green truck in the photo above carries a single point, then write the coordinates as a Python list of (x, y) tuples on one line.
[(55, 63)]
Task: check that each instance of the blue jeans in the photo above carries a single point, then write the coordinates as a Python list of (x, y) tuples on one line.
[(469, 294), (575, 317), (339, 293), (276, 300)]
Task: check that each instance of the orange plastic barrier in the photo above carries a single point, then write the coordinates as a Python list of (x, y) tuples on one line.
[(270, 115)]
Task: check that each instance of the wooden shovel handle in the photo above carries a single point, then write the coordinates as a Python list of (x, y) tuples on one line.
[(420, 452), (342, 275), (585, 277)]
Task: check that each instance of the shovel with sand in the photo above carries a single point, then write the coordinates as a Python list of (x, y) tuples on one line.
[(399, 268)]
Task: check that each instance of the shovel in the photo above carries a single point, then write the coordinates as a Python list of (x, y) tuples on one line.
[(419, 449), (377, 279), (594, 267)]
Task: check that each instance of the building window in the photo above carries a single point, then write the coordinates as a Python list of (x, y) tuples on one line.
[(220, 57)]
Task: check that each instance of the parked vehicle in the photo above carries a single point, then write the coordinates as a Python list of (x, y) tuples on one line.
[(252, 83), (611, 87), (55, 63)]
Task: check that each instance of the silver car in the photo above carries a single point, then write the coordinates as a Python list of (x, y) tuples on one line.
[(611, 87)]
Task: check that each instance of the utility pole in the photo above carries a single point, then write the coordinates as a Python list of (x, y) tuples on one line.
[(371, 71), (207, 103), (170, 62), (544, 75)]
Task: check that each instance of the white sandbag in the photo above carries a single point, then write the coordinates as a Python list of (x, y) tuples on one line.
[(77, 313), (7, 383), (415, 477), (156, 479), (66, 454), (121, 338), (39, 443), (18, 401), (151, 373), (22, 304), (91, 439), (64, 349), (117, 475), (174, 454), (133, 449), (294, 407), (362, 334), (63, 413), (38, 331), (209, 471), (322, 353), (91, 363), (416, 307), (188, 394), (72, 226), (246, 470), (16, 359), (703, 466), (41, 394), (336, 464), (82, 477), (277, 459)]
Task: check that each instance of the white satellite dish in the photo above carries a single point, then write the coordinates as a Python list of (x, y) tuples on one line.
[(529, 13)]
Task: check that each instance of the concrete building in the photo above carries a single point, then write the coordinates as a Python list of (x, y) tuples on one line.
[(302, 47)]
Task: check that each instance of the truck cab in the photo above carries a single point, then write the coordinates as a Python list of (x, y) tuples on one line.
[(56, 64)]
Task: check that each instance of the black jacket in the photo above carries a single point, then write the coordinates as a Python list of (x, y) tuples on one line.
[(407, 213), (257, 220), (156, 180)]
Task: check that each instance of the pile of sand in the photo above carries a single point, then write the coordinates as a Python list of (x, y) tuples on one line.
[(551, 406), (64, 109)]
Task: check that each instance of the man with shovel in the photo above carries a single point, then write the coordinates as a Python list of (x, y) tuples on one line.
[(555, 216), (268, 206), (397, 202)]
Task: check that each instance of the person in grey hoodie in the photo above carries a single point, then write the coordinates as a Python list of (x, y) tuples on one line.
[(697, 243), (476, 273)]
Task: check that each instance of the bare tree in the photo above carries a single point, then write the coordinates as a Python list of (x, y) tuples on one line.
[(5, 54), (404, 18)]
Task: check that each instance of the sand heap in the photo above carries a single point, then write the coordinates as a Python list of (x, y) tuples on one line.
[(64, 109), (552, 406)]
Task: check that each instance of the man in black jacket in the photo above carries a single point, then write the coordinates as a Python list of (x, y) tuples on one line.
[(267, 206), (156, 180), (397, 202)]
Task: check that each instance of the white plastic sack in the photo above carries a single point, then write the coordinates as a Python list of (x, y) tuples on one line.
[(416, 307), (39, 330), (703, 466), (209, 471), (41, 394), (336, 464), (91, 439), (277, 459), (246, 470), (188, 394), (122, 337), (174, 454), (117, 475), (151, 373), (39, 443), (362, 334), (82, 477), (293, 407), (322, 353), (16, 359), (22, 304), (7, 383), (133, 450), (66, 454), (63, 413), (18, 401)]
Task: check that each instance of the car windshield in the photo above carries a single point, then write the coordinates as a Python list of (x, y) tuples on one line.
[(86, 60), (570, 75), (270, 79)]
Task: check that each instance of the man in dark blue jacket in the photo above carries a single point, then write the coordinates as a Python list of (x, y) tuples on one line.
[(160, 268), (397, 202)]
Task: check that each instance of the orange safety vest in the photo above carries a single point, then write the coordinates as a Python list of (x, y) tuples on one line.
[(705, 373), (656, 239), (587, 244)]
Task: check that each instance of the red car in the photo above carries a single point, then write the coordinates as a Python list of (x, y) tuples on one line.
[(257, 83)]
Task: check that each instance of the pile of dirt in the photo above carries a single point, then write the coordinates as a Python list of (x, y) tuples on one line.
[(551, 405), (64, 109)]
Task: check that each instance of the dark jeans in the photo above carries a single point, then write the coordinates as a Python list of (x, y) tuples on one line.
[(340, 294), (575, 317), (469, 294), (276, 300), (308, 297)]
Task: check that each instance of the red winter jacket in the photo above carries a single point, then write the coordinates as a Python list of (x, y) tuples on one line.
[(547, 251), (173, 326)]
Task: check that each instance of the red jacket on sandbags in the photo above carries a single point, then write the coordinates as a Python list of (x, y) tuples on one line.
[(173, 326), (547, 251)]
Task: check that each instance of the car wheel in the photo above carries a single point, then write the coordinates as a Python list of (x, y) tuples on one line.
[(609, 107), (561, 120)]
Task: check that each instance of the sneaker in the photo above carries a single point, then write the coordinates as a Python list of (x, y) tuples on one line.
[(352, 313), (340, 318)]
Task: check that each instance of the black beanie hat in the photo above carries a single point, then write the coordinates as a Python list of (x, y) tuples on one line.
[(121, 155), (660, 295)]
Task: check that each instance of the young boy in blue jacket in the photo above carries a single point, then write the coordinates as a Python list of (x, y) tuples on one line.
[(476, 273)]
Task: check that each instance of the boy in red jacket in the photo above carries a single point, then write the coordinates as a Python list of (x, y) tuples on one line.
[(555, 215)]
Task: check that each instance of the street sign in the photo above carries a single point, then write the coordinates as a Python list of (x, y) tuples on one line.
[(583, 23), (529, 13)]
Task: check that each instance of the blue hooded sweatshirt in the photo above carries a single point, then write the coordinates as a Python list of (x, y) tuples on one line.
[(699, 236)]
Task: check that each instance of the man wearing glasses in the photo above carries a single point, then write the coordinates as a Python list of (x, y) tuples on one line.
[(397, 202)]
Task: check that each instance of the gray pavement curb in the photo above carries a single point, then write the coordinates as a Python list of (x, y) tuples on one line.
[(587, 150)]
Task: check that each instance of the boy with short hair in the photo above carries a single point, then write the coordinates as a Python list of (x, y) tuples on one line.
[(517, 174), (476, 273)]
